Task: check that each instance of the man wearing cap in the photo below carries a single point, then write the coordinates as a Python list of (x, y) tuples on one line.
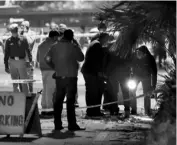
[(30, 36), (16, 49)]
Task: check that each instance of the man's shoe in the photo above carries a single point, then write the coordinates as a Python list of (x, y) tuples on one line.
[(100, 114), (58, 128), (95, 116), (133, 112), (127, 114), (75, 128)]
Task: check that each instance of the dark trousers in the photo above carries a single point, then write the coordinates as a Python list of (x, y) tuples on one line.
[(65, 87), (112, 92), (94, 91)]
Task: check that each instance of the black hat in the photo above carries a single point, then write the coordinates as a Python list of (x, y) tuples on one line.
[(53, 33)]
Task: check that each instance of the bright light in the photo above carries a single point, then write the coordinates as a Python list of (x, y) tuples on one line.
[(131, 84)]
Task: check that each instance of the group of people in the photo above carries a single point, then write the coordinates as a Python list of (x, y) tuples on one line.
[(105, 71), (59, 56)]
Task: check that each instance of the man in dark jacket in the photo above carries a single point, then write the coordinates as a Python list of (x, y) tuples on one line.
[(47, 72), (63, 57), (92, 70), (16, 50), (118, 73)]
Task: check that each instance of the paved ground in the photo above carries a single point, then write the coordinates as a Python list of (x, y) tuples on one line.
[(98, 132), (107, 131)]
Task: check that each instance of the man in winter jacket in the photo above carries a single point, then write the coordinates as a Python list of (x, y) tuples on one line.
[(63, 57), (92, 70), (47, 72)]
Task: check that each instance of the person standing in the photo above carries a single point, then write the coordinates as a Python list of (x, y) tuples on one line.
[(30, 36), (47, 72), (61, 29), (63, 57), (2, 45), (16, 49), (92, 70)]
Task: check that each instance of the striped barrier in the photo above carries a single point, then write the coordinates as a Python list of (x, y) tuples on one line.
[(20, 81)]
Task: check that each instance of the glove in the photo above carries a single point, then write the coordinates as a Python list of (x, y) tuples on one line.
[(7, 70)]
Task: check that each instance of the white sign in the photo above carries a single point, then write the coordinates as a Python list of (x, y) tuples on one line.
[(12, 112)]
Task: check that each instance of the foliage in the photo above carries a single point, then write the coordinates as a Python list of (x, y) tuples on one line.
[(167, 98), (141, 21)]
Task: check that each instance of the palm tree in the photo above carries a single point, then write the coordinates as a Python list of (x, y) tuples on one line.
[(138, 22), (153, 22)]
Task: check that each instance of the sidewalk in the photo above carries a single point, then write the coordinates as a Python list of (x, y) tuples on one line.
[(98, 132)]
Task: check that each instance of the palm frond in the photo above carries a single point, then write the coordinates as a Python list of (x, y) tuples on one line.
[(149, 17)]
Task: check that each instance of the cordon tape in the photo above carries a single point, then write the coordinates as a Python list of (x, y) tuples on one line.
[(105, 104), (85, 107)]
